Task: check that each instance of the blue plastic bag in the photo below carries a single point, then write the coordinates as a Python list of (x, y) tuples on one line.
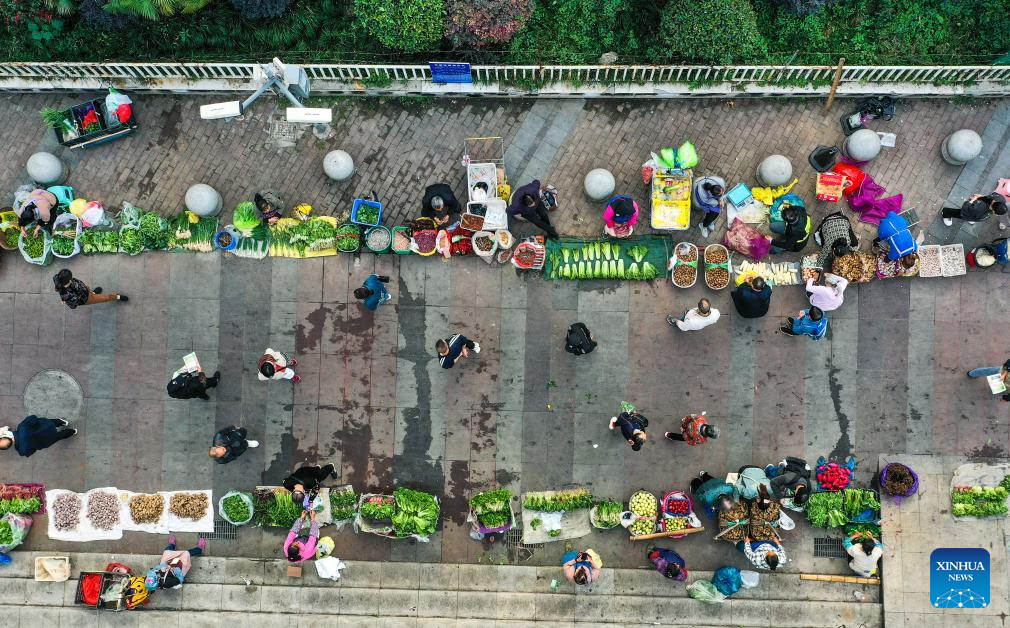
[(727, 580)]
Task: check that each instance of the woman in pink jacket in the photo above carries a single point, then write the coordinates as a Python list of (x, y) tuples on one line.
[(620, 216), (298, 548)]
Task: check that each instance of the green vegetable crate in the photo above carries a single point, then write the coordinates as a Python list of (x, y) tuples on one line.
[(406, 231)]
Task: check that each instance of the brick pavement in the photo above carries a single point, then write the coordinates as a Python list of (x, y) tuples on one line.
[(523, 414)]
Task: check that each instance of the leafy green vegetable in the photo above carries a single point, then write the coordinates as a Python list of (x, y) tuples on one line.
[(824, 510), (378, 508), (608, 513), (63, 245), (246, 217), (491, 501), (34, 245), (561, 500), (6, 534), (554, 533), (416, 512), (130, 241), (11, 237), (99, 241), (283, 512), (535, 523), (638, 253), (343, 497), (154, 231), (367, 214), (236, 508), (20, 505)]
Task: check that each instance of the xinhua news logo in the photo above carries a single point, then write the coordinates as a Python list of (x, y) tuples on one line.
[(959, 578)]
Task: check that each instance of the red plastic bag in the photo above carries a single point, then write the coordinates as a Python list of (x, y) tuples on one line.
[(853, 177)]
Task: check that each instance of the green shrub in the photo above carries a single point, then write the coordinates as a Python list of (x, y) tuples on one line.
[(259, 9), (709, 31), (408, 25), (477, 23), (153, 9), (575, 31)]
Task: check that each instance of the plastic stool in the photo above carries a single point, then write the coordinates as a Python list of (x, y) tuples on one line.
[(64, 195)]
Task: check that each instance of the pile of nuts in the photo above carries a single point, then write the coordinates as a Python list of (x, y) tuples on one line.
[(684, 274), (716, 278), (189, 505), (952, 261), (483, 243), (929, 261), (103, 510), (67, 511), (146, 508)]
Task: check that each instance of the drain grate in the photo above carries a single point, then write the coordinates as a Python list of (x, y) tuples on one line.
[(828, 547), (514, 538), (222, 531)]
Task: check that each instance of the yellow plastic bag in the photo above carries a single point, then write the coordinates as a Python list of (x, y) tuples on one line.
[(77, 206), (324, 547)]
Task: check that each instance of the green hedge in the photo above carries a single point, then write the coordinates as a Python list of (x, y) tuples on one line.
[(884, 32)]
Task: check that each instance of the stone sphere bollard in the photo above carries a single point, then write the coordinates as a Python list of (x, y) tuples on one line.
[(338, 165), (46, 169), (203, 200), (599, 184), (960, 147), (863, 145), (775, 170)]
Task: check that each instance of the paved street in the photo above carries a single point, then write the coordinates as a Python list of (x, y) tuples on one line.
[(523, 414)]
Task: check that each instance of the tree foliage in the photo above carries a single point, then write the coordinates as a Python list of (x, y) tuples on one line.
[(574, 31), (260, 9), (408, 25), (477, 23), (154, 9), (93, 11), (709, 31)]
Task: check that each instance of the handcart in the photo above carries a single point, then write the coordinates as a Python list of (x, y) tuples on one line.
[(671, 199), (484, 160), (92, 122), (115, 589)]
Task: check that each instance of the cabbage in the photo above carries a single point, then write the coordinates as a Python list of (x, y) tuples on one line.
[(246, 217)]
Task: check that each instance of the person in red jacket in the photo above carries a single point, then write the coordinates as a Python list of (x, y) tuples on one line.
[(694, 430)]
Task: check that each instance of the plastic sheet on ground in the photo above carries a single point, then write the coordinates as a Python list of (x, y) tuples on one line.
[(574, 524), (180, 524), (659, 250), (84, 531), (126, 518)]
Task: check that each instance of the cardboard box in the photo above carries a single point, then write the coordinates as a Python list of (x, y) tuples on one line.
[(294, 571)]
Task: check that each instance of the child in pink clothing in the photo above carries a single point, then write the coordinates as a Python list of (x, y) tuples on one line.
[(620, 216)]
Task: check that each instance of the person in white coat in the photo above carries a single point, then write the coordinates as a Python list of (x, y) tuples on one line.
[(696, 318), (273, 365)]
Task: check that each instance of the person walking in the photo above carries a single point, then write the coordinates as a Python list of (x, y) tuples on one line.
[(975, 209), (829, 296), (454, 347), (229, 444), (175, 564), (275, 365), (189, 385), (373, 292), (582, 568), (835, 237), (34, 434), (298, 548), (668, 562), (696, 318), (632, 425), (864, 551), (752, 298), (75, 293), (811, 322), (708, 195), (306, 481), (986, 371), (528, 203), (439, 204), (766, 555), (694, 430), (579, 340)]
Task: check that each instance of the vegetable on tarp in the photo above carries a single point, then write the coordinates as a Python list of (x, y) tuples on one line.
[(99, 241)]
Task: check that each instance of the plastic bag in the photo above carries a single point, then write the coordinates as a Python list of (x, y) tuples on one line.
[(94, 214), (129, 216), (749, 579), (20, 196), (118, 106), (19, 525), (47, 250), (705, 591), (747, 240), (687, 156), (727, 580), (246, 498), (648, 168), (68, 222), (52, 569), (324, 547)]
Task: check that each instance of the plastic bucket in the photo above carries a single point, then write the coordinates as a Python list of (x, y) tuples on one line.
[(406, 231), (389, 239), (226, 239)]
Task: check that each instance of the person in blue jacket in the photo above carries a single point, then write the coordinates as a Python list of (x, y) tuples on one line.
[(35, 433), (894, 236), (811, 322), (752, 298), (373, 292)]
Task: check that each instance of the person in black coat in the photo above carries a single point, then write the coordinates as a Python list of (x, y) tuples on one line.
[(752, 298), (440, 204), (579, 340), (790, 479), (229, 444), (35, 433), (306, 479), (192, 385), (793, 232)]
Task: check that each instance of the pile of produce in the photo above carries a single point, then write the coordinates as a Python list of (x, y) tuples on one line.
[(856, 267), (130, 240), (731, 520), (493, 508), (401, 240), (377, 239), (779, 274), (11, 237), (20, 500), (256, 245), (378, 508), (192, 232), (273, 507), (980, 501), (146, 508), (716, 266), (952, 260), (645, 505), (342, 503), (34, 245), (607, 514), (246, 217), (483, 243), (601, 260), (348, 238), (929, 261), (367, 214), (6, 533), (685, 265), (63, 241), (899, 479), (154, 231), (824, 510), (425, 241), (525, 256), (678, 507), (472, 222), (671, 524), (103, 510), (854, 528), (557, 501), (99, 241), (762, 522), (833, 476), (189, 505), (236, 508), (809, 273), (857, 501), (66, 511), (416, 513)]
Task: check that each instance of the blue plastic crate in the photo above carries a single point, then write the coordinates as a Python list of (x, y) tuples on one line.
[(358, 202)]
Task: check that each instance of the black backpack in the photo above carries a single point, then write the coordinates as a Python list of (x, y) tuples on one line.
[(180, 386)]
